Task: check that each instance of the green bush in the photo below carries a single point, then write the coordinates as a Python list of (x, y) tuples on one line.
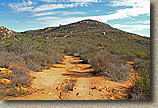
[(141, 88)]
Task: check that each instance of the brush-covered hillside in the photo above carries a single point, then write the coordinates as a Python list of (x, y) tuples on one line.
[(107, 49), (93, 35)]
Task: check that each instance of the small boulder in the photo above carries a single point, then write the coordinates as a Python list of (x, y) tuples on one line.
[(76, 54), (5, 71), (104, 33), (5, 81)]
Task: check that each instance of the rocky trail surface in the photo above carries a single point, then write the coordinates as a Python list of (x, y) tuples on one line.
[(73, 80)]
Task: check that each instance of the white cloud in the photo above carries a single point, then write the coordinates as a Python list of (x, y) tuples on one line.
[(46, 18), (83, 1), (25, 9), (71, 13), (3, 4), (44, 13), (24, 6), (137, 6), (120, 14), (135, 3), (24, 3), (29, 6), (140, 22), (29, 2), (57, 12), (144, 22), (21, 9), (48, 7), (140, 8), (133, 28), (55, 21), (28, 21), (45, 7)]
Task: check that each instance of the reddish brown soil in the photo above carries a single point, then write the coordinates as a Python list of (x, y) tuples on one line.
[(72, 80)]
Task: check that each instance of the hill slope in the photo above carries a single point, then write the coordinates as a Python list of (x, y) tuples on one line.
[(93, 35), (5, 32)]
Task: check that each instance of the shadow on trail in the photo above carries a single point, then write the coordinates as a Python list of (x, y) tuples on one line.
[(81, 74)]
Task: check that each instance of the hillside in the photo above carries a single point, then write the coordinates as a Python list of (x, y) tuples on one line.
[(5, 32), (95, 35), (106, 49)]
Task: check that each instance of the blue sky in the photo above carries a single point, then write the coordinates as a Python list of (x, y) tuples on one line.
[(128, 15)]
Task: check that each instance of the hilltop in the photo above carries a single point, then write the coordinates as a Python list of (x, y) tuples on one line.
[(5, 32), (84, 27)]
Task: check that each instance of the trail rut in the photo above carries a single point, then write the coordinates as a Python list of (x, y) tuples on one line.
[(72, 80)]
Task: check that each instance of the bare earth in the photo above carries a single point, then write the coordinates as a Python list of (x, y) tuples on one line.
[(72, 80)]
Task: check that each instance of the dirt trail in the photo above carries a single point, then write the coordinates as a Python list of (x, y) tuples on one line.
[(72, 80)]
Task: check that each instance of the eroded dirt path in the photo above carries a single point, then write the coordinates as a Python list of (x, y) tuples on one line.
[(72, 80)]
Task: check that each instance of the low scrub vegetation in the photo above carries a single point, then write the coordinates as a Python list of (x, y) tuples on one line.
[(21, 58), (110, 66), (141, 88)]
